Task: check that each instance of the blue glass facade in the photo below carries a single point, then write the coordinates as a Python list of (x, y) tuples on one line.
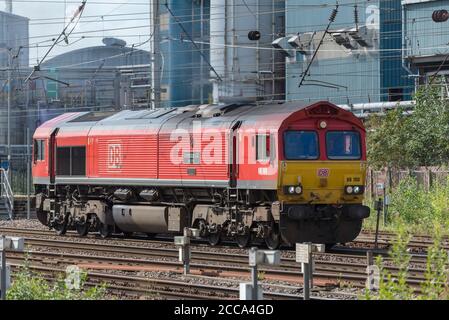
[(185, 77), (360, 59)]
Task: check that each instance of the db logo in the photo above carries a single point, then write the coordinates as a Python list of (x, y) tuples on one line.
[(323, 173), (115, 156)]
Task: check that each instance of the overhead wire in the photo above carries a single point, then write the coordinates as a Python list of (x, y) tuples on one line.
[(336, 64)]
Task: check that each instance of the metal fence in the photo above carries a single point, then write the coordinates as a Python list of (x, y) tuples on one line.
[(389, 179), (20, 161)]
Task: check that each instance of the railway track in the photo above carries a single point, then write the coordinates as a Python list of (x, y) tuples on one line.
[(418, 243), (53, 255), (138, 287), (134, 286), (140, 256), (135, 255)]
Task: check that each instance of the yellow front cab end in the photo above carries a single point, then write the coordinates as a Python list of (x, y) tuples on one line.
[(322, 182)]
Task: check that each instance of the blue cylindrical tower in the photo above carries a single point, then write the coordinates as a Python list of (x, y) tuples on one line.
[(185, 75)]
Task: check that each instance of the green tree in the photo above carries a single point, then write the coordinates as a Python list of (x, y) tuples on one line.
[(428, 129), (386, 137), (399, 139)]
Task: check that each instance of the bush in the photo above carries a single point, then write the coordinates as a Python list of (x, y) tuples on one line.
[(395, 286), (28, 285), (436, 284), (410, 204), (416, 209)]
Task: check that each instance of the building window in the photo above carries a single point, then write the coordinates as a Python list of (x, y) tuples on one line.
[(39, 150), (395, 94), (71, 161)]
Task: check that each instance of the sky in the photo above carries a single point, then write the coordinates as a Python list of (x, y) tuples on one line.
[(47, 21)]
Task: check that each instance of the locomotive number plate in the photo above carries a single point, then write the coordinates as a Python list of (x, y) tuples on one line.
[(323, 172)]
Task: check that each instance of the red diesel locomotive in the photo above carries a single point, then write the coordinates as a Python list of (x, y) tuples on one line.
[(284, 173)]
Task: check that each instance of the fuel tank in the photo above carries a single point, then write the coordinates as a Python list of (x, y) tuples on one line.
[(149, 219)]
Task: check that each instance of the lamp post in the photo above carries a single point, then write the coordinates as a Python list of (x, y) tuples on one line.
[(9, 112), (155, 54)]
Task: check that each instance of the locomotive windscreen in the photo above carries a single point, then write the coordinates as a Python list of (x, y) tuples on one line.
[(301, 145), (343, 145)]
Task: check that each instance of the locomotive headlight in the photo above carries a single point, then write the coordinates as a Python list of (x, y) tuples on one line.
[(293, 190), (323, 124), (349, 189), (357, 189)]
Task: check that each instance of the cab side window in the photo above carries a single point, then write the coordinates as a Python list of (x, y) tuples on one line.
[(71, 161), (39, 150)]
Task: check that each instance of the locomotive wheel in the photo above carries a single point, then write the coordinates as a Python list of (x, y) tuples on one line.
[(61, 228), (243, 240), (82, 229), (105, 230), (214, 238), (273, 241)]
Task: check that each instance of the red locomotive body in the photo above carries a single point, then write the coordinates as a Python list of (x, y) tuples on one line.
[(278, 172)]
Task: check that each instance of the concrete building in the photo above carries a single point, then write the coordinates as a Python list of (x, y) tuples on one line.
[(426, 39), (248, 69), (207, 56), (14, 38), (13, 56), (92, 76), (111, 76), (359, 60)]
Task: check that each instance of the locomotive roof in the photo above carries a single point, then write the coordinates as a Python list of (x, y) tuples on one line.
[(212, 115)]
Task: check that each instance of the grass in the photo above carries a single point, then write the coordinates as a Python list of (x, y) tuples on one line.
[(415, 209), (28, 285), (395, 286)]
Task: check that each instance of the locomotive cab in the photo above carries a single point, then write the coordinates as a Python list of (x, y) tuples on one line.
[(322, 176)]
